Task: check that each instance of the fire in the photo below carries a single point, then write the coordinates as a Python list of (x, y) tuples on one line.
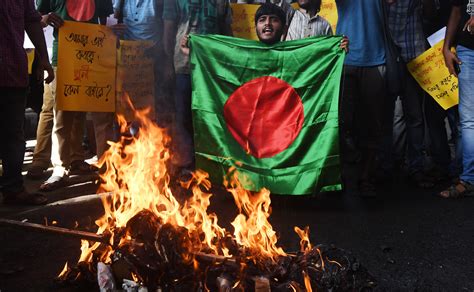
[(251, 227), (137, 177), (161, 235), (305, 244)]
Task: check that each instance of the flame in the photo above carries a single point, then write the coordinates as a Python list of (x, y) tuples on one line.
[(137, 178), (305, 244), (64, 271), (251, 227), (307, 282)]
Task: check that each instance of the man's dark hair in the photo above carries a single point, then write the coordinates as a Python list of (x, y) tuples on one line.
[(318, 5), (270, 9)]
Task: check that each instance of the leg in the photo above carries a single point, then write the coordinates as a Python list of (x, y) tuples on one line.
[(370, 116), (184, 121), (465, 187), (412, 102), (164, 102), (348, 103), (42, 154), (439, 148), (76, 136), (103, 129), (12, 112), (466, 114), (349, 152)]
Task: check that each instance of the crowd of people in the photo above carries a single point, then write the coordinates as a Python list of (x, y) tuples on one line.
[(380, 38)]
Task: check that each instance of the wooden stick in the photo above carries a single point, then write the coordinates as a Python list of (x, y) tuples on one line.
[(53, 229), (200, 256)]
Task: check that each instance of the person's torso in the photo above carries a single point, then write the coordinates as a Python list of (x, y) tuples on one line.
[(198, 17), (143, 19), (464, 37), (406, 27), (13, 59), (303, 26), (362, 22)]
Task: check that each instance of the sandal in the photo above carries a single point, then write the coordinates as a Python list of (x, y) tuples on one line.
[(36, 172), (458, 190), (52, 183), (24, 198), (79, 167)]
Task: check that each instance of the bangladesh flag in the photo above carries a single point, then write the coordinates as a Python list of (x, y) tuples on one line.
[(269, 111)]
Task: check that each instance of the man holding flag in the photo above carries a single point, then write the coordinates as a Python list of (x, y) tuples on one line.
[(272, 113)]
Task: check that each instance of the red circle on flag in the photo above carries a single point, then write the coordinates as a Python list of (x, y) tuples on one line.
[(264, 115)]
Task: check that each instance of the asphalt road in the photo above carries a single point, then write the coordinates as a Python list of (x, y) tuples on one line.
[(409, 239)]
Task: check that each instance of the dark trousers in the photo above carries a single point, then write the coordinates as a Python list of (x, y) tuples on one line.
[(439, 148), (361, 115), (12, 146)]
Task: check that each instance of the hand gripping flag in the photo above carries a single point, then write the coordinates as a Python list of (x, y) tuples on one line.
[(271, 111)]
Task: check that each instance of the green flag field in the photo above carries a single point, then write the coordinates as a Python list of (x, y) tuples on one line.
[(270, 111)]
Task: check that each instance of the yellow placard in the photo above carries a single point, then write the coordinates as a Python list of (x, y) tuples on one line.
[(243, 17), (329, 12), (135, 77), (430, 72), (86, 68), (30, 53), (243, 20)]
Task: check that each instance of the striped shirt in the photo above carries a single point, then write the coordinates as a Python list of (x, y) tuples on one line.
[(303, 26), (406, 26)]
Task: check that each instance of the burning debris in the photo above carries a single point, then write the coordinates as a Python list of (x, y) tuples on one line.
[(154, 241)]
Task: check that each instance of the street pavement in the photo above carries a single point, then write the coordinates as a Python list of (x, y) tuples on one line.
[(408, 239)]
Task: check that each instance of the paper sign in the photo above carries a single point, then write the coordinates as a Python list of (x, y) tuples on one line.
[(135, 77), (243, 20), (86, 68), (30, 53), (437, 37), (430, 72), (329, 12)]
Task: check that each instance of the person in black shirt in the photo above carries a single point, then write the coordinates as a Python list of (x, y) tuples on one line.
[(460, 31)]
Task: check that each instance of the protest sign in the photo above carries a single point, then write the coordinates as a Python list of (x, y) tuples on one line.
[(430, 72), (86, 68), (329, 12), (30, 53), (135, 77), (243, 20)]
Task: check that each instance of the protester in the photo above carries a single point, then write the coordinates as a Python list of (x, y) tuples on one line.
[(67, 155), (364, 91), (182, 17), (17, 17), (405, 19), (308, 23), (270, 23), (461, 64), (437, 15), (283, 4)]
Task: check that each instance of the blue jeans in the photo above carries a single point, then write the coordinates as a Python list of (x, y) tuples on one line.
[(466, 112)]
